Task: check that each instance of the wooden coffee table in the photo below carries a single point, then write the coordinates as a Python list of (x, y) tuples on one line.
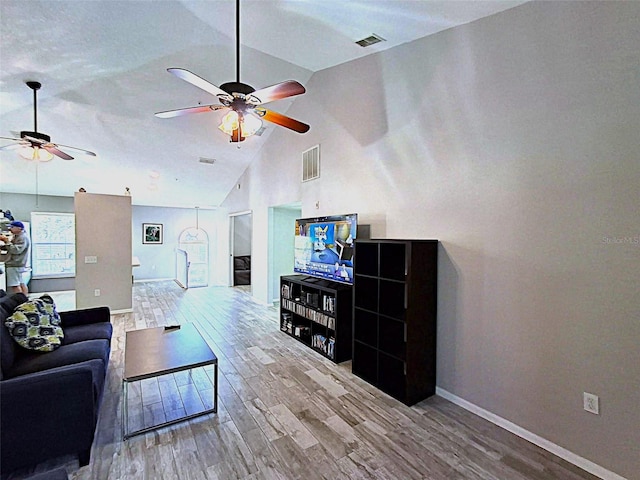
[(152, 352)]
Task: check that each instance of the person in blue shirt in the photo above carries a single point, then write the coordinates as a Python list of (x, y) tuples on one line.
[(17, 256)]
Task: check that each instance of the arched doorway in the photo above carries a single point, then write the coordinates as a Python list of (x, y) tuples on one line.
[(195, 242)]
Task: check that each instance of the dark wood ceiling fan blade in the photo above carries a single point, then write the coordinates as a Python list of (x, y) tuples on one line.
[(282, 120), (199, 82), (51, 148), (281, 90), (189, 110)]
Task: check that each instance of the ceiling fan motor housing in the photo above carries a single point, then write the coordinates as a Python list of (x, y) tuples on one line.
[(237, 87), (37, 135)]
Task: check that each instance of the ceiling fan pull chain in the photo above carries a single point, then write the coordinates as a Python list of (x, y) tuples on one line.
[(37, 186)]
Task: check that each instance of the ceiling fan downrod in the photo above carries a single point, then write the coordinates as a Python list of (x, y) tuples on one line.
[(238, 41), (35, 86)]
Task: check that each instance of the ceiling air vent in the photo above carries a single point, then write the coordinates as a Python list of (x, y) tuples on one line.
[(208, 161), (311, 163), (370, 40)]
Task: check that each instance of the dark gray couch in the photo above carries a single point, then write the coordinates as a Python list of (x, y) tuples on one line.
[(49, 402)]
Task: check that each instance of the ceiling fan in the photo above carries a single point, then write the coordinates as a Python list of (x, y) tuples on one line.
[(32, 143), (245, 104)]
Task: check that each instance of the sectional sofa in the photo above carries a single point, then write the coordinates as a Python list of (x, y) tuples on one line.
[(50, 400)]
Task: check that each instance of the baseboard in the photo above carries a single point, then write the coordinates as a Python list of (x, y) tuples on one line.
[(145, 280), (124, 310), (561, 452)]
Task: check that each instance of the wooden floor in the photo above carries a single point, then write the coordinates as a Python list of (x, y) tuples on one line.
[(285, 412)]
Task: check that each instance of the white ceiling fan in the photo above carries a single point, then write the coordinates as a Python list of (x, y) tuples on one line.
[(32, 144), (244, 103)]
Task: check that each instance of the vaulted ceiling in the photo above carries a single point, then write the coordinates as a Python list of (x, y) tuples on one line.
[(102, 65)]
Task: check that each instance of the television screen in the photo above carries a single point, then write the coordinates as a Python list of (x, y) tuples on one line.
[(324, 247)]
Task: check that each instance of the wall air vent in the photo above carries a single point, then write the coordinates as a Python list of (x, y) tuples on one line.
[(370, 40), (311, 163), (208, 161)]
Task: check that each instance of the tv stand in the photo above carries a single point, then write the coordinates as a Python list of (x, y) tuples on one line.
[(318, 313), (310, 279)]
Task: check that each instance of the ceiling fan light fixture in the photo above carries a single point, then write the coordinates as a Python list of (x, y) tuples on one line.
[(249, 124), (35, 154), (229, 122), (245, 103)]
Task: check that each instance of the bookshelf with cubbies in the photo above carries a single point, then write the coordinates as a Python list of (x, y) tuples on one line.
[(318, 313), (395, 316)]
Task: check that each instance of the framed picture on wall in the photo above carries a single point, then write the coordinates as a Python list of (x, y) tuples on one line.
[(152, 233)]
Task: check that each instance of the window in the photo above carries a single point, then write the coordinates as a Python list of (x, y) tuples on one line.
[(53, 244)]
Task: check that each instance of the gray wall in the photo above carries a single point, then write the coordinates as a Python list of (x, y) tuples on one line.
[(157, 261), (241, 234), (21, 206), (514, 140), (103, 231)]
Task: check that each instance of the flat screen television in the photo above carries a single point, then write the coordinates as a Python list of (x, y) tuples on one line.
[(324, 247)]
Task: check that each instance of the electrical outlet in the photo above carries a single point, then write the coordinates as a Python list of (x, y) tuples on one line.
[(96, 292), (591, 403)]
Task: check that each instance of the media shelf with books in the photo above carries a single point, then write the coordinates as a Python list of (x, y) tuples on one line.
[(394, 316), (318, 313)]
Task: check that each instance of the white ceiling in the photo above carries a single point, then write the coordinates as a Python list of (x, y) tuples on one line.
[(103, 66)]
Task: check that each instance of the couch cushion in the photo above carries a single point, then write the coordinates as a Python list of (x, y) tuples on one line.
[(30, 362), (58, 474), (92, 331), (35, 325), (243, 262), (7, 346), (9, 302)]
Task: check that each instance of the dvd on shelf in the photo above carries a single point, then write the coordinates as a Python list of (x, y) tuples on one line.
[(324, 344), (309, 313), (317, 314)]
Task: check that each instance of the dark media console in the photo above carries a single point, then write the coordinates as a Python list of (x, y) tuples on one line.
[(317, 312)]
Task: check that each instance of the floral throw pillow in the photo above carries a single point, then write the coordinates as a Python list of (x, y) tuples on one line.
[(35, 325)]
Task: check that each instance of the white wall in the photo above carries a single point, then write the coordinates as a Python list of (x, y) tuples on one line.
[(514, 140), (159, 261)]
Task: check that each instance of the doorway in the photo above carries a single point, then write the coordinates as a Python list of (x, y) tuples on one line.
[(282, 222), (241, 229), (194, 244)]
